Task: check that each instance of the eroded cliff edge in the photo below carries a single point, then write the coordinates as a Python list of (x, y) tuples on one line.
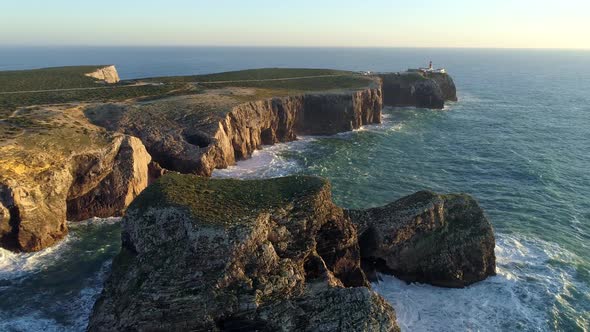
[(72, 171), (199, 133)]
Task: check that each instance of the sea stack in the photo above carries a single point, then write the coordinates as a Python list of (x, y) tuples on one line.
[(443, 240), (204, 254)]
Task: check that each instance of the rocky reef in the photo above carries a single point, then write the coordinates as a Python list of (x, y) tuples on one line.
[(419, 89), (443, 240), (223, 255)]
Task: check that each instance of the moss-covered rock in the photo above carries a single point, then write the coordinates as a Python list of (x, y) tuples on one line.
[(214, 255)]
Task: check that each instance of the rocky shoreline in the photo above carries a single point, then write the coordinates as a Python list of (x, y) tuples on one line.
[(279, 255), (184, 134), (216, 255)]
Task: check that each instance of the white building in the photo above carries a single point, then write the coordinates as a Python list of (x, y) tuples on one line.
[(431, 69)]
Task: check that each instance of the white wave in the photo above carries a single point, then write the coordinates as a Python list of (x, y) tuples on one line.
[(94, 221), (518, 298), (270, 161), (267, 162), (78, 310), (17, 265)]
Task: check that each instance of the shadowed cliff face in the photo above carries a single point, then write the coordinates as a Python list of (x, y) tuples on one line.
[(425, 90), (444, 240), (213, 255), (247, 127)]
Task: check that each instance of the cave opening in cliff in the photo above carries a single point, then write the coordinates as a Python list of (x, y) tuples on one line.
[(199, 139)]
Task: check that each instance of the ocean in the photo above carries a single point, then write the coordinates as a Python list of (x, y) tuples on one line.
[(518, 140)]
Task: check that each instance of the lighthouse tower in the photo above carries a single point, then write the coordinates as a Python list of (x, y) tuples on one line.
[(430, 66)]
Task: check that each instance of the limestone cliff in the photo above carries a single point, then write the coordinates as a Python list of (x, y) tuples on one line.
[(106, 74), (181, 137), (65, 173), (223, 255)]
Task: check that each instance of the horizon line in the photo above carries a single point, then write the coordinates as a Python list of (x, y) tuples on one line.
[(292, 46)]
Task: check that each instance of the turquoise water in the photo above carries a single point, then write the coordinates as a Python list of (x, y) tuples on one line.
[(518, 140)]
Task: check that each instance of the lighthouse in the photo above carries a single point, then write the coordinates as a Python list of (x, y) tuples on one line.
[(430, 66)]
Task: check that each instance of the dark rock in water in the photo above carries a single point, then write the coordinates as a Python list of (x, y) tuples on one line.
[(443, 240), (226, 255), (425, 90)]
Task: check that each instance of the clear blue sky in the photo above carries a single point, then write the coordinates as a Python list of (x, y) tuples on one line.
[(406, 23)]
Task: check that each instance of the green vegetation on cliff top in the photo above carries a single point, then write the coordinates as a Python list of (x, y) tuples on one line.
[(224, 201), (15, 86), (254, 74), (47, 78)]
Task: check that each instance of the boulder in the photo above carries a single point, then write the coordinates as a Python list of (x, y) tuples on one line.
[(204, 254), (443, 240)]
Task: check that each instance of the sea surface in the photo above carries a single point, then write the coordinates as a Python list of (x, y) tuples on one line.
[(518, 140)]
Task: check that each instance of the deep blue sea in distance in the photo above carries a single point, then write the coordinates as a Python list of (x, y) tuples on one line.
[(518, 140)]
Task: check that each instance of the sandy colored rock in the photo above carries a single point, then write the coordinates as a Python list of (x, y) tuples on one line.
[(65, 169), (107, 74)]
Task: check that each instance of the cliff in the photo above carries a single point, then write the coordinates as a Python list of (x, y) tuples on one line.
[(106, 74), (426, 90), (181, 136), (220, 255), (67, 169)]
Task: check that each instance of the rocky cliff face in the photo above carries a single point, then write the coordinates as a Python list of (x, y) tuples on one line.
[(446, 84), (35, 203), (188, 142), (247, 127), (107, 74), (444, 240), (425, 90), (219, 255)]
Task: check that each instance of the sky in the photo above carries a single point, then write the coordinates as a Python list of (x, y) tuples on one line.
[(313, 23)]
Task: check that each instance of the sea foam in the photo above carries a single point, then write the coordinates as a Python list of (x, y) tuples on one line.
[(519, 298)]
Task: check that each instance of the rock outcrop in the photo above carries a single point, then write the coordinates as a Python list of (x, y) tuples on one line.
[(224, 255), (106, 74), (36, 199), (443, 240), (425, 90)]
